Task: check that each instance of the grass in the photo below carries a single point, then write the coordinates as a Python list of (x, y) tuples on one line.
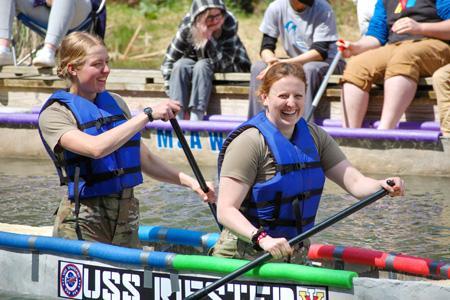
[(138, 37)]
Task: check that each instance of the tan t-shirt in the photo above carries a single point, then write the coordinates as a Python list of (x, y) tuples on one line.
[(248, 159), (57, 119)]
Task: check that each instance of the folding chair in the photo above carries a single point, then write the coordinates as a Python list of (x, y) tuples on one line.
[(94, 23)]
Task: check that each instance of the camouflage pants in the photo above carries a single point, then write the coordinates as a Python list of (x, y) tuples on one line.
[(110, 220), (230, 246)]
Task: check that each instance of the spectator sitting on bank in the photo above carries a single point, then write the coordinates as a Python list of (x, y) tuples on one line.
[(406, 40), (59, 16), (206, 42), (441, 85), (364, 11), (308, 32)]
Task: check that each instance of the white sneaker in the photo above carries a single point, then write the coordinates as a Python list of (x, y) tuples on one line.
[(6, 58), (44, 58)]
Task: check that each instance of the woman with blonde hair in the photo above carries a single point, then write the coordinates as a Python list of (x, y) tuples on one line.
[(97, 149)]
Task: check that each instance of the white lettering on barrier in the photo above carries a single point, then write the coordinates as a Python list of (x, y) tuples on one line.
[(165, 139), (84, 281)]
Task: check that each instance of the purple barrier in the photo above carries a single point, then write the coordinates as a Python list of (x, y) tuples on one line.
[(429, 125), (19, 119), (36, 109), (227, 118), (392, 134), (196, 125)]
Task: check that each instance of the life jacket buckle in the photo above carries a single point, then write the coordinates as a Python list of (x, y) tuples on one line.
[(99, 123), (119, 172)]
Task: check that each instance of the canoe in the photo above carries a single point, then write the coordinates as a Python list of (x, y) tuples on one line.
[(57, 268), (369, 149)]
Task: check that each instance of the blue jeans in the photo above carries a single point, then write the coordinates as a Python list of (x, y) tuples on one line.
[(191, 83)]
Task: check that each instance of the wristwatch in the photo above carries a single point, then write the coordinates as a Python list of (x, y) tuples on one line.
[(256, 237), (149, 112)]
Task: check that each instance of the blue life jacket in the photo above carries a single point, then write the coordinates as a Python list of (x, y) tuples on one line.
[(104, 176), (286, 204)]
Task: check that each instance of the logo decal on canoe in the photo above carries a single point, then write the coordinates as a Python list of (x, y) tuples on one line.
[(70, 280), (311, 293)]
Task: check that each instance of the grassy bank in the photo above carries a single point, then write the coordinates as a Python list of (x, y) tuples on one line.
[(137, 37)]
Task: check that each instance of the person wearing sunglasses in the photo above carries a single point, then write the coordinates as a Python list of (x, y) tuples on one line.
[(206, 42)]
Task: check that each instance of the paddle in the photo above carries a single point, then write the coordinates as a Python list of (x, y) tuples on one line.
[(194, 166), (323, 85), (267, 256)]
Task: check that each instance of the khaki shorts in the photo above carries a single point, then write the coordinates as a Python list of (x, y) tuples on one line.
[(230, 246), (112, 220), (413, 59)]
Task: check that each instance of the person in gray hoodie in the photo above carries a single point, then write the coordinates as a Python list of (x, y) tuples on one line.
[(206, 42)]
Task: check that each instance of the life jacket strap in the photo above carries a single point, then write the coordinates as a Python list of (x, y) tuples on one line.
[(285, 222), (298, 212), (302, 197), (91, 179), (287, 168), (101, 121), (76, 197)]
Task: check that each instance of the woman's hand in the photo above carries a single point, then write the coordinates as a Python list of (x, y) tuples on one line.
[(278, 247), (398, 189), (210, 196), (273, 61), (166, 110)]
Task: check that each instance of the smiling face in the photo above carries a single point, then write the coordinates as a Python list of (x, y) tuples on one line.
[(214, 19), (89, 78), (285, 103)]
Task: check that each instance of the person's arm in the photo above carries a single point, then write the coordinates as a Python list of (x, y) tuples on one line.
[(267, 51), (232, 194), (365, 43), (360, 186), (311, 55), (158, 169), (104, 144)]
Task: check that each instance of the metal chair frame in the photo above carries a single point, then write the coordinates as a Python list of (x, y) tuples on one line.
[(41, 30)]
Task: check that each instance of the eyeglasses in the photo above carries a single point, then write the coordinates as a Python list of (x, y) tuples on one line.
[(212, 18)]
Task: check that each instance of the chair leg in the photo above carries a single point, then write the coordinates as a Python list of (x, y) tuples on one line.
[(13, 50)]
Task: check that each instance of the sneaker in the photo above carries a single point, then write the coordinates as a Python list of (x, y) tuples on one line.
[(6, 58), (44, 58)]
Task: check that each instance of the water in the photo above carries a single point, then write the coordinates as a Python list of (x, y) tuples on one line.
[(416, 224)]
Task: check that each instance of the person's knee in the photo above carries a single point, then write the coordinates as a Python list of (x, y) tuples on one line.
[(257, 67), (440, 76), (358, 76), (203, 66), (182, 65)]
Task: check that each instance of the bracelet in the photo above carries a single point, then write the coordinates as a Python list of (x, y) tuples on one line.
[(259, 235)]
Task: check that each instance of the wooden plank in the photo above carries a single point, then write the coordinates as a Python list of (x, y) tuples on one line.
[(20, 70), (244, 77)]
